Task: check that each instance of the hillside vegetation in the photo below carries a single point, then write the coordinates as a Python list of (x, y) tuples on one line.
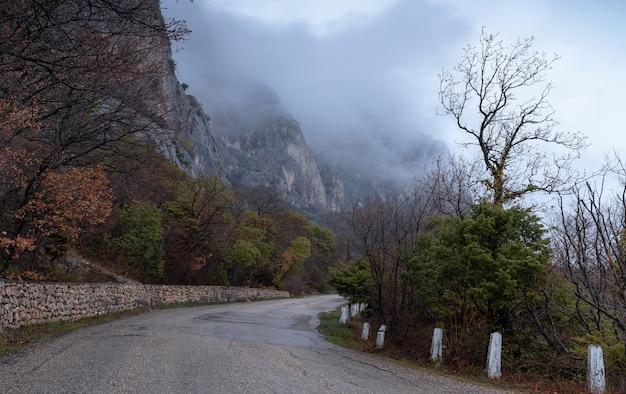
[(83, 118), (467, 251), (80, 176)]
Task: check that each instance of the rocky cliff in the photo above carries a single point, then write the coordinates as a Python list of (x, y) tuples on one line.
[(246, 146), (268, 149), (186, 136), (255, 142), (252, 143)]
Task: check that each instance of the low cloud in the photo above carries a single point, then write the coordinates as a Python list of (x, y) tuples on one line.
[(357, 91)]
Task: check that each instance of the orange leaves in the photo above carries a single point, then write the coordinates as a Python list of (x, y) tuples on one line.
[(68, 201), (12, 168), (199, 262), (79, 83), (281, 267), (13, 247), (299, 249), (15, 116), (62, 205)]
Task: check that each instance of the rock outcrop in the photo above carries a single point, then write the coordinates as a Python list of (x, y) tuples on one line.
[(255, 142)]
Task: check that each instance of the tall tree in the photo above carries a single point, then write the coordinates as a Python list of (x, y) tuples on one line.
[(199, 227), (590, 249), (76, 88), (478, 274), (485, 264), (448, 184), (382, 232), (141, 239), (498, 97)]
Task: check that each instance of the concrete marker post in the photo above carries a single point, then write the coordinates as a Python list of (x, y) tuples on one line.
[(435, 348), (354, 310), (380, 337), (596, 379), (365, 334), (344, 315), (494, 356)]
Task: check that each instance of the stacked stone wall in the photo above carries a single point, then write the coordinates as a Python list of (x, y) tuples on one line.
[(26, 303)]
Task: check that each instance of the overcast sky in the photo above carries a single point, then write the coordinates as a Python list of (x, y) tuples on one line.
[(358, 70)]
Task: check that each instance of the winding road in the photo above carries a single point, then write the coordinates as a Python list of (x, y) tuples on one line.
[(255, 347)]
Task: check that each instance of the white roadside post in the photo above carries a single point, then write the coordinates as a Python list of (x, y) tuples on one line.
[(380, 337), (494, 356), (365, 334), (344, 315), (596, 380), (354, 310), (435, 348)]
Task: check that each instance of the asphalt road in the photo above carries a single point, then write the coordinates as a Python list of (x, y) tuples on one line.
[(256, 347)]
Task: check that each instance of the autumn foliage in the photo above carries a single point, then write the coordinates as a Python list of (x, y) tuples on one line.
[(80, 104), (73, 93)]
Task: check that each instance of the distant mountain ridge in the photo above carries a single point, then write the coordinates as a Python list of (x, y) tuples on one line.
[(257, 143)]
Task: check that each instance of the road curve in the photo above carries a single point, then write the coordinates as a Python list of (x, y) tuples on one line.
[(256, 347)]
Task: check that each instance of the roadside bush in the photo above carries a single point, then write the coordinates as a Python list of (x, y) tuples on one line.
[(352, 280), (141, 238)]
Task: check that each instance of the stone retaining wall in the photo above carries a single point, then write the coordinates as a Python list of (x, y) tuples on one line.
[(25, 303)]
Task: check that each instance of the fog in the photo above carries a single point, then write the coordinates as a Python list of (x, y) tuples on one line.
[(363, 87), (361, 75)]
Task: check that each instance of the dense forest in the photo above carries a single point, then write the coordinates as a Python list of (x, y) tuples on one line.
[(82, 175), (463, 249)]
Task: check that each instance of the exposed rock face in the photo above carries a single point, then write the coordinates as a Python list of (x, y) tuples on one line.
[(265, 147), (186, 137), (271, 151), (254, 141), (192, 144), (258, 144)]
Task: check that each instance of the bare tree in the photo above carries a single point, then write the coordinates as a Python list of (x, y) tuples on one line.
[(510, 129), (590, 249), (264, 200), (383, 231), (449, 184)]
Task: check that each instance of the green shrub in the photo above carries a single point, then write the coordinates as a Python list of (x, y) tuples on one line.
[(352, 281), (141, 239)]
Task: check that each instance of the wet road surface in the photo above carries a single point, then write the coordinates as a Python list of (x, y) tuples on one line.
[(255, 347)]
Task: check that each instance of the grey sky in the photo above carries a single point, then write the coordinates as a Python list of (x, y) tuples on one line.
[(365, 72)]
